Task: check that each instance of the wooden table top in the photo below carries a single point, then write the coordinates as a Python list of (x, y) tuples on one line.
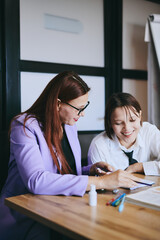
[(73, 217)]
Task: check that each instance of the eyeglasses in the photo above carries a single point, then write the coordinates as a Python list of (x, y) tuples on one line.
[(78, 109)]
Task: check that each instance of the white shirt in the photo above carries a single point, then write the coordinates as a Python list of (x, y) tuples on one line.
[(146, 150)]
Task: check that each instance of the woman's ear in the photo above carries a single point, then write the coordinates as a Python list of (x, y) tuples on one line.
[(58, 104)]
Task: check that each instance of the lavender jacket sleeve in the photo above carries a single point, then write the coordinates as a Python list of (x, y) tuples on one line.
[(36, 168)]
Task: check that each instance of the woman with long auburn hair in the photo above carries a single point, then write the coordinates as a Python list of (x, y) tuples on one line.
[(45, 155)]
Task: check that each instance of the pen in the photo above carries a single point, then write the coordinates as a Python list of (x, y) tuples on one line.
[(121, 206), (110, 201), (99, 170), (120, 197), (117, 202), (149, 183), (120, 201), (113, 199)]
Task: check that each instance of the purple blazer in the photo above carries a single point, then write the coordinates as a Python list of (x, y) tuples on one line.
[(31, 169)]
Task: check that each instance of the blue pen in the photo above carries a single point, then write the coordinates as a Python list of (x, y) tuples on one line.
[(120, 197), (121, 206), (117, 203)]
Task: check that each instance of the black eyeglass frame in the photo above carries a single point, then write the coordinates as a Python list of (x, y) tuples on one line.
[(78, 109)]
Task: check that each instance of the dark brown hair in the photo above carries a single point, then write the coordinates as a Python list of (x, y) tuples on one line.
[(65, 86), (125, 100)]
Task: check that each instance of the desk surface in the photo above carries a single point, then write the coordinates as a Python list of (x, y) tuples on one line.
[(73, 217)]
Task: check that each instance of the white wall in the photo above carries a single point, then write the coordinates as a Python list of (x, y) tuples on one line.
[(135, 14), (49, 45)]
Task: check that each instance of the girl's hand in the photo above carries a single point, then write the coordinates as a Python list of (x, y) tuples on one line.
[(100, 169), (135, 168)]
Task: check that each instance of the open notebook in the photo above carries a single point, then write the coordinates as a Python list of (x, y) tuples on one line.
[(143, 183)]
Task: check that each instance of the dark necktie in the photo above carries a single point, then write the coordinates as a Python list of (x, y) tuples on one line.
[(129, 155)]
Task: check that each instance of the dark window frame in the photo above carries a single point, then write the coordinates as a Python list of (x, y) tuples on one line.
[(11, 65)]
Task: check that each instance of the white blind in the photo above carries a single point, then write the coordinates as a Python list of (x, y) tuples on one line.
[(152, 36)]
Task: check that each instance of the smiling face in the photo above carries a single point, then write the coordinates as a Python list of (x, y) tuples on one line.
[(68, 114), (126, 125)]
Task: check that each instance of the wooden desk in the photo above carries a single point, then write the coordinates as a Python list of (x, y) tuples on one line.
[(73, 217)]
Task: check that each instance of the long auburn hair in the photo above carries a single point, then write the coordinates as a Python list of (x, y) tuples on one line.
[(120, 99), (65, 86)]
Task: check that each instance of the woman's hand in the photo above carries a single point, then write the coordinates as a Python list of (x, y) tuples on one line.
[(119, 178), (135, 168), (100, 169), (114, 180)]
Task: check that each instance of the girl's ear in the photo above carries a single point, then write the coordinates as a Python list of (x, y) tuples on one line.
[(140, 116)]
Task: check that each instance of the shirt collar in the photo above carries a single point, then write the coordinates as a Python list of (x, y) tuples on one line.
[(115, 144), (139, 142)]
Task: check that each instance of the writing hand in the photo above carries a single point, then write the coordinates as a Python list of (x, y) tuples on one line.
[(113, 180), (119, 178)]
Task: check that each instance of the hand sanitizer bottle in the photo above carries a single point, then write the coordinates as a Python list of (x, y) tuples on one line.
[(93, 195)]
